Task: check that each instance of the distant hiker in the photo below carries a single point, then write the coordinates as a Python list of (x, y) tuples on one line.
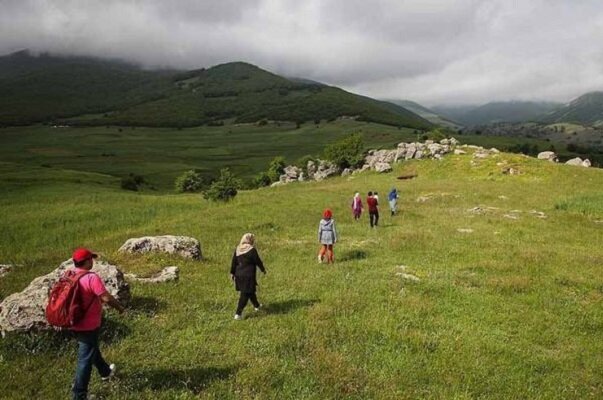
[(373, 207), (327, 236), (245, 260), (92, 295), (357, 206), (393, 200)]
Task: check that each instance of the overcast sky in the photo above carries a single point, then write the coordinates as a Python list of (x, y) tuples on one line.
[(431, 51)]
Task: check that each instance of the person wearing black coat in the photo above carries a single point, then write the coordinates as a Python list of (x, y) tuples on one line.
[(245, 260)]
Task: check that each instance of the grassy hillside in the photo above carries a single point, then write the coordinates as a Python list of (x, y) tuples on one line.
[(586, 110), (101, 92), (511, 309)]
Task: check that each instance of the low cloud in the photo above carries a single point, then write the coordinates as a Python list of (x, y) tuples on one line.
[(446, 51)]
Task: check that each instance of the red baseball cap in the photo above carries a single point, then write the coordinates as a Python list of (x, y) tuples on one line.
[(82, 254)]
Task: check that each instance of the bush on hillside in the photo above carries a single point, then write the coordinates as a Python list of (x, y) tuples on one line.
[(190, 181), (132, 182), (347, 152), (276, 168), (261, 180), (224, 188)]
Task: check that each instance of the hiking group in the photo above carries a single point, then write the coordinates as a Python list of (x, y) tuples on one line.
[(76, 300)]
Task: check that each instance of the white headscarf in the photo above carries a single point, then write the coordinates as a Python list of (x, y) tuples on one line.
[(247, 243)]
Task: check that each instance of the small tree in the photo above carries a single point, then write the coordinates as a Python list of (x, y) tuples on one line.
[(190, 181), (132, 182), (224, 188), (346, 153), (276, 168)]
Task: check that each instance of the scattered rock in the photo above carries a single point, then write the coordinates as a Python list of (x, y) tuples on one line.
[(25, 310), (5, 269), (464, 230), (408, 277), (598, 221), (586, 163), (277, 183), (291, 174), (459, 152), (481, 154), (511, 171), (347, 172), (548, 156), (423, 199), (494, 150), (476, 210), (401, 267), (511, 216), (503, 197), (168, 274), (538, 214), (183, 246)]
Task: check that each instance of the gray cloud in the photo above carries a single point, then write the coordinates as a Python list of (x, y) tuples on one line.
[(432, 51)]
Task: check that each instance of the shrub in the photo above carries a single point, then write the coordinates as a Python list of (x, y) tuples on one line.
[(224, 188), (190, 181), (276, 168), (347, 152), (261, 180)]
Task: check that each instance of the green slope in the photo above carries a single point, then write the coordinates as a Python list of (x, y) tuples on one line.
[(101, 92), (586, 110)]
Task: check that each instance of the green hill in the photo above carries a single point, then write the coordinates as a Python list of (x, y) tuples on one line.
[(507, 304), (586, 110), (101, 92), (497, 112), (427, 113)]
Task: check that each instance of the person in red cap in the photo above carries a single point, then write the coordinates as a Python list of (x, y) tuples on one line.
[(86, 330), (327, 236)]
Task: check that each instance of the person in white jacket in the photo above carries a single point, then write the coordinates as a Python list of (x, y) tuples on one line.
[(327, 236)]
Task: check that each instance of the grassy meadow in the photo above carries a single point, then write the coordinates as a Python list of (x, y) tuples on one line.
[(509, 307)]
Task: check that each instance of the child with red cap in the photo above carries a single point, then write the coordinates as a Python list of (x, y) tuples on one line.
[(327, 236)]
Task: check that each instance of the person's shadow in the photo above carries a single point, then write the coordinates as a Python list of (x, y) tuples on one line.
[(287, 306), (193, 380)]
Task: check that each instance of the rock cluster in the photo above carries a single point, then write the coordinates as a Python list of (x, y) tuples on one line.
[(183, 246), (25, 310)]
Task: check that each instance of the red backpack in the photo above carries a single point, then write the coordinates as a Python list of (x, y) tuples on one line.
[(64, 307)]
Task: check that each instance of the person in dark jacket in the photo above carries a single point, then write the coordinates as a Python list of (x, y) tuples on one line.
[(373, 206), (245, 260)]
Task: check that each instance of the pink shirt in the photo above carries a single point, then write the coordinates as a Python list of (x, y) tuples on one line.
[(91, 288)]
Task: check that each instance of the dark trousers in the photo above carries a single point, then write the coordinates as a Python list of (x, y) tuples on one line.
[(374, 218), (244, 298), (88, 355)]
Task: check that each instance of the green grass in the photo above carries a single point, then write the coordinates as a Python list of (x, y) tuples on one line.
[(162, 154), (510, 311)]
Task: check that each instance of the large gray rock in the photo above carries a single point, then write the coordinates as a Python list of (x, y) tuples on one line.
[(25, 310), (324, 170), (168, 274), (311, 168), (291, 174), (383, 167), (183, 246), (548, 156)]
